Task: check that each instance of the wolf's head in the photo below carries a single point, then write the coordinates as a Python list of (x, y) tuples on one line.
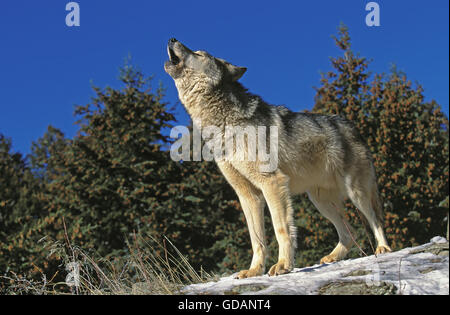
[(199, 66)]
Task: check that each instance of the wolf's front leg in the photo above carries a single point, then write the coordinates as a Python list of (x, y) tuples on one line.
[(276, 193), (252, 203), (253, 207)]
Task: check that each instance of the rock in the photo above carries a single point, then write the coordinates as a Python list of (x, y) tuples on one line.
[(357, 288), (356, 273), (440, 249), (243, 289), (422, 269), (439, 240)]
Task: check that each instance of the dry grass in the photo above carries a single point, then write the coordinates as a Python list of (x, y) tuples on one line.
[(151, 267)]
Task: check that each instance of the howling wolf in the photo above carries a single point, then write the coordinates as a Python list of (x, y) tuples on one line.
[(317, 154)]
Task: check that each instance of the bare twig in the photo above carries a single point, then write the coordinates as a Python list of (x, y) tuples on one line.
[(349, 231), (366, 232), (353, 239)]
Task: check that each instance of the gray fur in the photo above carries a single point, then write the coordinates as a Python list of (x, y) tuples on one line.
[(321, 155)]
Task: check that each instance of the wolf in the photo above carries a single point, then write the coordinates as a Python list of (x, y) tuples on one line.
[(320, 155)]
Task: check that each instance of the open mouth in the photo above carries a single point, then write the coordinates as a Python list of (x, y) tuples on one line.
[(172, 56)]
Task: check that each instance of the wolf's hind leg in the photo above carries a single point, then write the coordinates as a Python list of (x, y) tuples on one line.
[(252, 203), (364, 196), (330, 206)]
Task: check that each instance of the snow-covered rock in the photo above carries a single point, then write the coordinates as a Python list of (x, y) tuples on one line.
[(417, 270)]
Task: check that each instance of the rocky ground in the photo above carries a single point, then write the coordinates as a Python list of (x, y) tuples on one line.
[(417, 270)]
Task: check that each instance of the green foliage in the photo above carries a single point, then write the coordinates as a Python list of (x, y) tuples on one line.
[(20, 204)]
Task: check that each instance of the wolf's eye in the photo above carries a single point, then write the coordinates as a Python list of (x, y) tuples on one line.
[(201, 53)]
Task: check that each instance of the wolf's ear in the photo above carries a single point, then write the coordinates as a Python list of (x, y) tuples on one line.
[(233, 71), (236, 72)]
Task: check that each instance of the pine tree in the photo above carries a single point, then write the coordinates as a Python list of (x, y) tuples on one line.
[(20, 205)]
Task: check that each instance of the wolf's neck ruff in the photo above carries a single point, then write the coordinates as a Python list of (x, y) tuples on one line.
[(229, 105)]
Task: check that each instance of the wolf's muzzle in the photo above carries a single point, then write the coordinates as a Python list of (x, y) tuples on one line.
[(172, 56)]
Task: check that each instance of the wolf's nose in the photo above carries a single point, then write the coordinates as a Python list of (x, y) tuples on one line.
[(172, 40)]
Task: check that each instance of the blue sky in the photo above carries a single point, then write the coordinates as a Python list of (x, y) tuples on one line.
[(46, 67)]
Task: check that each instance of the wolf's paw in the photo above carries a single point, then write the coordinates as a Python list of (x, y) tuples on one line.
[(381, 249), (328, 259), (280, 268), (249, 273)]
